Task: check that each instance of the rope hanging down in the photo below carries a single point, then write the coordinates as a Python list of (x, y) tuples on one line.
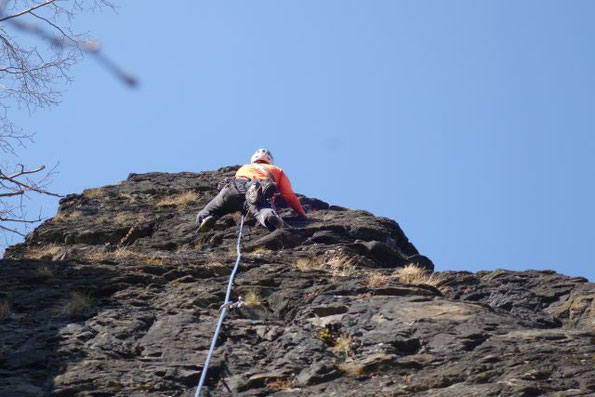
[(227, 304)]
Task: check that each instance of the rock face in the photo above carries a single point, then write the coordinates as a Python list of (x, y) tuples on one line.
[(117, 296)]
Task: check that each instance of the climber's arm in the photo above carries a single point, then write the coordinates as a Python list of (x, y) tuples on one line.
[(289, 195)]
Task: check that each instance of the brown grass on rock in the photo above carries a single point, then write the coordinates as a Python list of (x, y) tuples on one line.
[(252, 298), (343, 344), (308, 264), (181, 200), (350, 368), (94, 193), (69, 216), (342, 265), (126, 253), (376, 279), (338, 263), (412, 274), (280, 384), (259, 251), (44, 251)]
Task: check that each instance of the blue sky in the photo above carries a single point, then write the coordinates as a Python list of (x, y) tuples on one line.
[(469, 122)]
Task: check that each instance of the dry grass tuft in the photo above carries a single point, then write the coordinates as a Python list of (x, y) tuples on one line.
[(305, 265), (261, 251), (154, 260), (343, 344), (5, 311), (181, 201), (44, 251), (122, 219), (252, 299), (125, 253), (342, 265), (412, 274), (325, 335), (79, 303), (280, 384), (350, 368), (72, 216), (93, 193), (337, 263), (376, 279)]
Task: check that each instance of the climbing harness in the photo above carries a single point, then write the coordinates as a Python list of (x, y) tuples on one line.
[(262, 191), (226, 305)]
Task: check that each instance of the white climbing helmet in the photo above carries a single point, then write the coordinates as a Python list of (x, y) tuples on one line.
[(262, 155)]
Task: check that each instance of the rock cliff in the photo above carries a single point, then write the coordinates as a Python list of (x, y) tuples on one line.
[(117, 296)]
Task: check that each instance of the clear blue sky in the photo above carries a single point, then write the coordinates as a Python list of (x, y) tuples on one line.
[(471, 123)]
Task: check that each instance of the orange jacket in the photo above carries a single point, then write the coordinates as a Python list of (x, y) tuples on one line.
[(252, 171)]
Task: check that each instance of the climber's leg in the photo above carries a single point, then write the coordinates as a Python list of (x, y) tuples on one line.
[(267, 217), (229, 199)]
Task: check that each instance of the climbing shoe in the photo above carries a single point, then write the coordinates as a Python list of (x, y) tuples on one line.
[(273, 223), (207, 224)]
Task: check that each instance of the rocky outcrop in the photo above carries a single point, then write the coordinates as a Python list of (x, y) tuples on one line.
[(117, 296)]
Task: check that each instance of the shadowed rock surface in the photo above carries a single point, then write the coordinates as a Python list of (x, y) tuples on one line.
[(117, 296)]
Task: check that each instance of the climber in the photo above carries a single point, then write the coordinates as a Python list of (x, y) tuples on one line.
[(252, 189)]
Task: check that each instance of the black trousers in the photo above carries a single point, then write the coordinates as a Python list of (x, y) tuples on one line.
[(232, 198)]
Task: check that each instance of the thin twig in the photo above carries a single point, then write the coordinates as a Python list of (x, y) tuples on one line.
[(27, 11), (11, 230), (20, 192)]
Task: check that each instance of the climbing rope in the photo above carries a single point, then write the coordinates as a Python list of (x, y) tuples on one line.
[(227, 304)]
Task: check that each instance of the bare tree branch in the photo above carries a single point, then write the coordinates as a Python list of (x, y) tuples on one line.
[(35, 7), (33, 72), (12, 193), (20, 220), (14, 231), (23, 172), (27, 185)]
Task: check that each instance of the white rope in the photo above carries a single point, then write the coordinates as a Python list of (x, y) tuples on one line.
[(223, 309)]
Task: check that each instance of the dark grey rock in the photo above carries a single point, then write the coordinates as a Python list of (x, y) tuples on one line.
[(317, 324)]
